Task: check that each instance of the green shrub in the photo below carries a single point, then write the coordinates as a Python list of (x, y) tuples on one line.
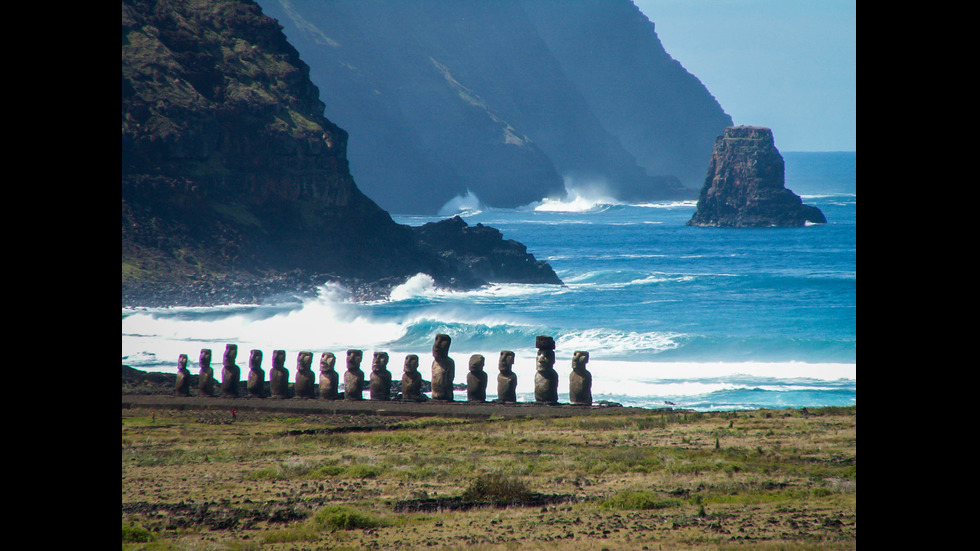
[(342, 517), (363, 470), (639, 500), (136, 534), (496, 486)]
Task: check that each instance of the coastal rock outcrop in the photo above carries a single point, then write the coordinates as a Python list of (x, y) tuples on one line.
[(745, 186), (481, 253), (235, 186)]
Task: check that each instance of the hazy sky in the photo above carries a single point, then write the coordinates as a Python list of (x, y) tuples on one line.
[(790, 65)]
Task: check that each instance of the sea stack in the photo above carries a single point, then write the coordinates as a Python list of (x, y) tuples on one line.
[(745, 186)]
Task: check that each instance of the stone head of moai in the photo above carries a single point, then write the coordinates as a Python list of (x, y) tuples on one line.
[(278, 358), (327, 362), (411, 363), (182, 362), (440, 348), (255, 359), (506, 361), (231, 353), (477, 361), (546, 352), (205, 358), (579, 359), (354, 359), (546, 359), (380, 362), (304, 360)]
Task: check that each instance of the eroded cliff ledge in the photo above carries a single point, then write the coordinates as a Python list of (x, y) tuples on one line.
[(235, 186), (745, 186)]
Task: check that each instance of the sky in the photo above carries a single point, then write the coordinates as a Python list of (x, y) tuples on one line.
[(790, 65)]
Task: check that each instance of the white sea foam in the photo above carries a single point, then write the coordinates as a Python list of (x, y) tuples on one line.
[(667, 204), (416, 286), (462, 205), (325, 323), (601, 342), (581, 196), (665, 371)]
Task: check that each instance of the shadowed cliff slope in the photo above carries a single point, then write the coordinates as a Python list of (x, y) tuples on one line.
[(231, 174), (506, 99)]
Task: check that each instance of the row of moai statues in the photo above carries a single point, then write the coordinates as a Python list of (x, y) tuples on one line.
[(380, 381)]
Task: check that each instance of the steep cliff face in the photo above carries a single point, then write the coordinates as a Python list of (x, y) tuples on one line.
[(745, 185), (229, 167), (660, 113), (504, 99)]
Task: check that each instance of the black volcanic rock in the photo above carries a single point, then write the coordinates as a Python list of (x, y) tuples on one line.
[(235, 187), (745, 185), (484, 253), (504, 99)]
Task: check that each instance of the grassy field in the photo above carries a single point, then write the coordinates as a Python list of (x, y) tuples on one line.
[(769, 479)]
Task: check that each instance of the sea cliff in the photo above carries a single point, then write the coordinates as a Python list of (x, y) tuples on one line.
[(510, 101), (235, 186)]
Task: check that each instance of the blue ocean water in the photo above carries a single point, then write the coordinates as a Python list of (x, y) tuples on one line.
[(703, 318)]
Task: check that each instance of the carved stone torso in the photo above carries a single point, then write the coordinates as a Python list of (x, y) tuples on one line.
[(476, 380), (506, 379), (580, 380), (256, 375), (329, 378), (546, 378), (231, 374), (183, 385), (443, 369), (305, 378), (412, 380), (380, 383), (205, 382), (279, 375), (354, 377)]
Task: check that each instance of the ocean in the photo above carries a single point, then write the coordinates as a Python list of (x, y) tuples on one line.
[(697, 318)]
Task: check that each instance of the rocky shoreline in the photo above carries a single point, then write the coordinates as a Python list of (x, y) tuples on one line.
[(245, 288)]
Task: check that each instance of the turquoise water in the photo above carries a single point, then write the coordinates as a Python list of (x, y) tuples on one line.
[(705, 318)]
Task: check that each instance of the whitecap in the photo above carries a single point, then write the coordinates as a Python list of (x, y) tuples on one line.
[(463, 205), (416, 286)]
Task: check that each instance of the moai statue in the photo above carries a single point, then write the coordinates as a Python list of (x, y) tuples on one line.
[(205, 383), (443, 369), (580, 380), (304, 376), (231, 374), (354, 377), (279, 375), (476, 380), (546, 378), (329, 378), (380, 384), (412, 380), (183, 386), (256, 375), (507, 379)]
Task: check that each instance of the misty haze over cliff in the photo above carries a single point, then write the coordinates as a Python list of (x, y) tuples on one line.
[(507, 101)]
